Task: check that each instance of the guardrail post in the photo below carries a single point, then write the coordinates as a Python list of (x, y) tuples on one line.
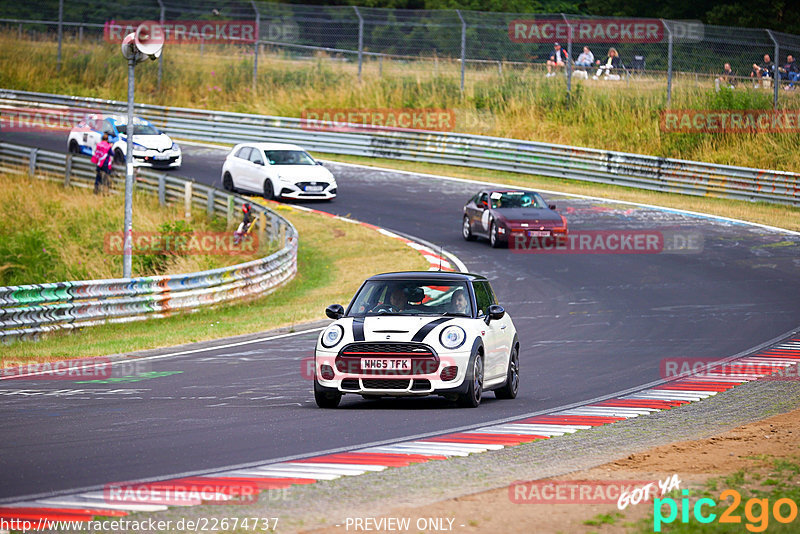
[(80, 36), (32, 162), (162, 189), (210, 203), (229, 213), (262, 230), (380, 66), (187, 201), (68, 170)]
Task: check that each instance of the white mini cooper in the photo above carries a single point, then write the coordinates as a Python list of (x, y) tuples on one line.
[(418, 333)]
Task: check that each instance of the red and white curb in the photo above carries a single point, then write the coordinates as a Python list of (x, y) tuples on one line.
[(227, 487), (439, 261)]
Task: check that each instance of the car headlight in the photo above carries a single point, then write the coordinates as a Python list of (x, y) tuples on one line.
[(452, 337), (332, 336), (176, 147)]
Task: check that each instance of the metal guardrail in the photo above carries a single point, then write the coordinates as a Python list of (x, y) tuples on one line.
[(494, 153), (29, 310)]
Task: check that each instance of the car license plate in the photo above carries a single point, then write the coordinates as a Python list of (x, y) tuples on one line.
[(161, 157), (387, 364), (539, 233), (314, 188)]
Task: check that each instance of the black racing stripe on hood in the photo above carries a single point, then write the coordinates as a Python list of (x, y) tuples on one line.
[(358, 329), (425, 330)]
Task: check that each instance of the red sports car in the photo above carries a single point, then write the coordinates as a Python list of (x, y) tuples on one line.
[(499, 215)]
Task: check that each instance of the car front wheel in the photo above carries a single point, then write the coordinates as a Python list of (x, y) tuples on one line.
[(119, 157), (74, 147), (466, 230), (472, 398), (494, 237), (324, 397), (269, 191), (510, 388)]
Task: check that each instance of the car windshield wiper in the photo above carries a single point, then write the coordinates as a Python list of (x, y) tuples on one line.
[(453, 314)]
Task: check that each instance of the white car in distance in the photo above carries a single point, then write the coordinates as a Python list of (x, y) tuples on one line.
[(277, 170)]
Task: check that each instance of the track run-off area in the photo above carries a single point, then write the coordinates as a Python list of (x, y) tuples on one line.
[(589, 324)]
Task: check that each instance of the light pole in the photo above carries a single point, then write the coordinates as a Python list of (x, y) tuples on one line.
[(146, 41)]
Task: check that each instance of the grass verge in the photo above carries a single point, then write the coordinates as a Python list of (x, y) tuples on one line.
[(51, 233), (782, 216), (333, 259)]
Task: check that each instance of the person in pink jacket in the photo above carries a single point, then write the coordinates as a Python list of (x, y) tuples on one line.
[(104, 159)]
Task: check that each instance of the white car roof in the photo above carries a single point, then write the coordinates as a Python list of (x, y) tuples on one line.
[(273, 146)]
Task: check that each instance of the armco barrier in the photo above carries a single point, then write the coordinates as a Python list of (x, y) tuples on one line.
[(495, 153), (26, 311)]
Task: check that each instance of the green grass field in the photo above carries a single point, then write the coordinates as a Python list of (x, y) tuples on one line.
[(518, 103)]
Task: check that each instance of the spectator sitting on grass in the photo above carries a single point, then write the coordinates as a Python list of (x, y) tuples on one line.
[(790, 71), (612, 62), (557, 59), (727, 76), (763, 70), (586, 59)]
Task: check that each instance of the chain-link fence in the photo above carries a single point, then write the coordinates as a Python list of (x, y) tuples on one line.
[(668, 53)]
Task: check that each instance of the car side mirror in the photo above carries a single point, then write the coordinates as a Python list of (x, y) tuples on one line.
[(335, 311), (495, 312), (320, 163), (551, 206), (484, 204)]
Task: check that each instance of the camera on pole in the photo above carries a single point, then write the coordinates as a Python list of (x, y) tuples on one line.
[(146, 41)]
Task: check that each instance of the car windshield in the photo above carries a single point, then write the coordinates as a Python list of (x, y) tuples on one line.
[(289, 157), (516, 199), (139, 129), (412, 297)]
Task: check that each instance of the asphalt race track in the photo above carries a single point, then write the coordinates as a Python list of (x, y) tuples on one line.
[(589, 325)]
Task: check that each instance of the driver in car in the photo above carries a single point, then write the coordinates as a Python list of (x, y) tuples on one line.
[(398, 299), (459, 302)]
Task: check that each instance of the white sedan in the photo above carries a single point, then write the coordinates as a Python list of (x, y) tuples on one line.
[(418, 333), (277, 170)]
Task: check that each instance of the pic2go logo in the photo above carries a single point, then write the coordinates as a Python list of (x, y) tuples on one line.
[(756, 511)]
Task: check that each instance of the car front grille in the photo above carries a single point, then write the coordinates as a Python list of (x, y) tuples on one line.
[(302, 185), (421, 384), (372, 349), (423, 359), (376, 383), (351, 384)]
